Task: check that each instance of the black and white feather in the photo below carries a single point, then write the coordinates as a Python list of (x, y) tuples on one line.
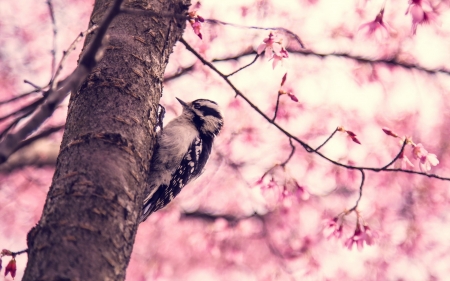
[(183, 148)]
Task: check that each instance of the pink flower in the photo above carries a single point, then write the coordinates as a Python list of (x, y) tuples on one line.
[(361, 235), (292, 96), (377, 27), (349, 133), (333, 229), (11, 268), (6, 253), (369, 235), (196, 26), (403, 162), (279, 56), (353, 136), (269, 45), (196, 23), (272, 183), (301, 192), (283, 92), (389, 132), (426, 160), (283, 79), (357, 239), (419, 15)]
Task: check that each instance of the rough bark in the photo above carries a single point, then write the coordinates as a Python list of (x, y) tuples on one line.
[(89, 221)]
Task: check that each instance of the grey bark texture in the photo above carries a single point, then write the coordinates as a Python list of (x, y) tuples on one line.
[(90, 217)]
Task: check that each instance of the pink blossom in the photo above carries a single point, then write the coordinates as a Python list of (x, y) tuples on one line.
[(418, 14), (11, 268), (419, 151), (353, 137), (6, 252), (283, 79), (333, 228), (272, 183), (357, 239), (259, 181), (279, 56), (403, 162), (361, 235), (369, 235), (301, 192), (389, 132), (377, 26), (292, 96), (270, 46), (426, 159), (196, 23), (196, 26)]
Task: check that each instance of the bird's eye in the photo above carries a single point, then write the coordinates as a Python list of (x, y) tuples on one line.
[(196, 106)]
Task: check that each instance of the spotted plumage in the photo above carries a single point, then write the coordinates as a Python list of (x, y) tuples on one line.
[(183, 148)]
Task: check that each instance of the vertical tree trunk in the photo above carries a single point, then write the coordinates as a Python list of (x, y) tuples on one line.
[(89, 221)]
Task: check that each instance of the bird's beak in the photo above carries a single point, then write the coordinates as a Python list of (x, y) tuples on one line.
[(182, 102)]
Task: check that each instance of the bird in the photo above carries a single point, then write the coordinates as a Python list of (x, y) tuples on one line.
[(182, 149)]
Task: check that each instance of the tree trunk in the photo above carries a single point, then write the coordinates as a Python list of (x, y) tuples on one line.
[(89, 221)]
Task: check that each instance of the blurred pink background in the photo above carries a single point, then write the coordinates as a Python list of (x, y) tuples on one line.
[(238, 230)]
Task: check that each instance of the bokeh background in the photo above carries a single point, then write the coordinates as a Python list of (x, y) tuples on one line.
[(224, 226)]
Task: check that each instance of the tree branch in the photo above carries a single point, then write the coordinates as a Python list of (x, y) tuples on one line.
[(307, 147), (282, 29), (59, 91)]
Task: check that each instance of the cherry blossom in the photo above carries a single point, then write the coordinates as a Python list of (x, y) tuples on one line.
[(196, 23), (333, 228), (284, 92), (269, 46), (293, 188), (419, 15), (11, 268), (279, 56), (376, 27), (350, 134), (369, 235), (403, 162), (388, 132), (283, 80), (426, 159), (361, 235)]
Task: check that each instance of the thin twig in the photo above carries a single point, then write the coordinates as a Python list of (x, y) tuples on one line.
[(52, 16), (329, 138), (285, 30), (19, 96), (363, 176), (276, 108), (290, 155), (59, 90), (19, 252), (36, 87), (393, 61), (72, 47), (405, 142), (30, 107), (245, 66), (180, 72)]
